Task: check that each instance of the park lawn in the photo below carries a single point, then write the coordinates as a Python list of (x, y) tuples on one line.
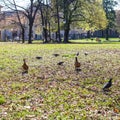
[(52, 92), (93, 41)]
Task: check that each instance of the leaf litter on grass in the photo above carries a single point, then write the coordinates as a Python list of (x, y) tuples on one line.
[(56, 92)]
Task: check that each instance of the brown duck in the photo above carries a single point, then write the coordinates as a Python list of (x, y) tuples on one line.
[(25, 67)]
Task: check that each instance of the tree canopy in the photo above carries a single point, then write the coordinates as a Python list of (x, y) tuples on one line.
[(108, 6), (64, 14)]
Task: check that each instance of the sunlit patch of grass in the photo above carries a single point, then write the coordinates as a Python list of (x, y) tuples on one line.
[(69, 55), (17, 86), (2, 99), (20, 114)]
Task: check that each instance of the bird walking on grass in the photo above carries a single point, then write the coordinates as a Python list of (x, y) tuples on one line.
[(77, 64), (108, 85), (25, 67), (77, 54), (85, 53), (37, 57), (60, 63), (56, 55)]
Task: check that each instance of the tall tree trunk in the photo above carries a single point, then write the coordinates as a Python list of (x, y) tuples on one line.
[(44, 26), (49, 31), (88, 34), (58, 21), (59, 30), (56, 35), (106, 34), (66, 33), (45, 35), (30, 33), (102, 33), (23, 35)]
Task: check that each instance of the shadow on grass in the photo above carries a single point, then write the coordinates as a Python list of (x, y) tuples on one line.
[(76, 42), (81, 42), (102, 42)]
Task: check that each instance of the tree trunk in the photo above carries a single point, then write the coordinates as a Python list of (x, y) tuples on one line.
[(102, 33), (88, 34), (45, 35), (106, 35), (58, 21), (49, 31), (56, 36), (30, 33), (66, 34), (59, 31), (23, 35)]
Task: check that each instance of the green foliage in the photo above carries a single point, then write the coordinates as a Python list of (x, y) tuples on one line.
[(88, 15), (95, 18), (108, 6)]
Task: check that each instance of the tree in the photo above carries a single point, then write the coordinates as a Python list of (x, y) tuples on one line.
[(29, 12), (55, 4), (86, 13), (45, 13), (108, 6), (20, 23), (117, 21), (95, 18)]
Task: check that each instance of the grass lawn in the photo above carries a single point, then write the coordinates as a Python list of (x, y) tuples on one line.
[(93, 41), (52, 92)]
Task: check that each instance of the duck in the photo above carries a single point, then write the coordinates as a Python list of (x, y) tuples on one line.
[(77, 64), (25, 67)]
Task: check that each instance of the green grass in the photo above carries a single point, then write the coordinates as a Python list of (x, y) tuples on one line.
[(2, 99), (53, 92), (93, 41)]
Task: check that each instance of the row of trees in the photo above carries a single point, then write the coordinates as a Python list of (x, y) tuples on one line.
[(56, 15)]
